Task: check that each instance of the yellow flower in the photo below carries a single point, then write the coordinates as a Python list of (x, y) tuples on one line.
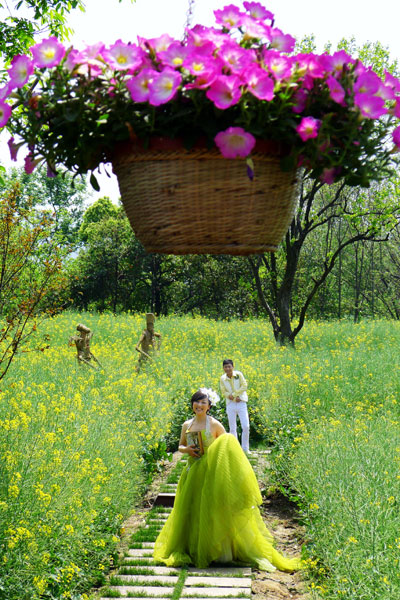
[(40, 584)]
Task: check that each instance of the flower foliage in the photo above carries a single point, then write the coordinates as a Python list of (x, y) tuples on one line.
[(227, 85)]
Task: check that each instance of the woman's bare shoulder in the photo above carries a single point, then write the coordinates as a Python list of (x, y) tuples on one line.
[(217, 426)]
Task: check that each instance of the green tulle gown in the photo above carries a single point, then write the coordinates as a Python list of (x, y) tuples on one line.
[(216, 516)]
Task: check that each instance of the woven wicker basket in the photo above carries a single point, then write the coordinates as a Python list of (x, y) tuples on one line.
[(197, 202)]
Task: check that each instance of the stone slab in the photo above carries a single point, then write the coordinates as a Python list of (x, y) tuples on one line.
[(219, 581), (148, 579), (141, 559), (156, 570), (151, 592), (223, 571), (216, 592), (140, 552)]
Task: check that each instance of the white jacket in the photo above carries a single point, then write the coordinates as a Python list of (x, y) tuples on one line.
[(237, 386)]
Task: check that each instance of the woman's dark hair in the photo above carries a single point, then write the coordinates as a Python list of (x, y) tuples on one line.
[(198, 396)]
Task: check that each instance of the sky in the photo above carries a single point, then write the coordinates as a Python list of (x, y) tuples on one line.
[(328, 20)]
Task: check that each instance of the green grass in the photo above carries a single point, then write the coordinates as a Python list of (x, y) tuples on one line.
[(336, 451)]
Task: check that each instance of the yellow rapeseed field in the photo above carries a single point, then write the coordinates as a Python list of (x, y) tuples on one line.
[(77, 444)]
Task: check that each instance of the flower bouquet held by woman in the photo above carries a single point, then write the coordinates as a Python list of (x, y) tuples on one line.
[(236, 90), (215, 516)]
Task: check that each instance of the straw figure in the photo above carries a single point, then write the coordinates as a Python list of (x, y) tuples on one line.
[(149, 341), (82, 343)]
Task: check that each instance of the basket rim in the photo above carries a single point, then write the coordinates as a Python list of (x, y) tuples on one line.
[(172, 148)]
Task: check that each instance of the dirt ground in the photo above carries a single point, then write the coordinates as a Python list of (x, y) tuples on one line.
[(279, 515)]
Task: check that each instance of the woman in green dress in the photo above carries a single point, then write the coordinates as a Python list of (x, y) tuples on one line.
[(216, 516)]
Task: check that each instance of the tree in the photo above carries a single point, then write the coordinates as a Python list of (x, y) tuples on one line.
[(103, 208), (28, 18), (363, 216), (215, 286), (386, 278), (100, 274), (63, 196), (30, 273)]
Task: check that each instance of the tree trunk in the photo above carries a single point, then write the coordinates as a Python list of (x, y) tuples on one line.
[(283, 300)]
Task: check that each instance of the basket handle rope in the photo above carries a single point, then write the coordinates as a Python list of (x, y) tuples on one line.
[(189, 16)]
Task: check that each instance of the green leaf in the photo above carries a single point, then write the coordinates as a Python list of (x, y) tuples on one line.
[(288, 163), (94, 183)]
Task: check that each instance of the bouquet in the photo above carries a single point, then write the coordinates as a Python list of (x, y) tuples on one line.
[(228, 86)]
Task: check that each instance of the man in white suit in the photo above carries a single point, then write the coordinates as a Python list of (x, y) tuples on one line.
[(233, 387)]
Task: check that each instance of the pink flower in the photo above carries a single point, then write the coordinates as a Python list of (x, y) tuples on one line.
[(121, 56), (253, 29), (48, 53), (74, 57), (203, 81), (336, 62), (396, 110), (282, 42), (312, 65), (371, 107), (308, 128), (206, 39), (197, 64), (31, 163), (367, 83), (229, 16), (257, 10), (198, 42), (396, 136), (164, 86), (279, 66), (329, 175), (235, 142), (259, 83), (50, 172), (394, 82), (337, 92), (20, 71), (89, 61), (138, 86), (235, 58), (174, 55), (93, 51), (225, 91), (13, 147), (5, 113), (158, 44), (5, 91), (385, 91), (300, 96)]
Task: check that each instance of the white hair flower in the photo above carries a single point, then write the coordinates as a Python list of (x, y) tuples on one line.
[(211, 395)]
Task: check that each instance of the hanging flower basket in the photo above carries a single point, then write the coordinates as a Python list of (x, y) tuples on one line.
[(197, 202), (232, 85)]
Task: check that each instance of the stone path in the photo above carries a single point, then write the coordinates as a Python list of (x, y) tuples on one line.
[(138, 577)]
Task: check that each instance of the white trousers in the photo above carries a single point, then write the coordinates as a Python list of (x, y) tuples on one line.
[(239, 409)]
